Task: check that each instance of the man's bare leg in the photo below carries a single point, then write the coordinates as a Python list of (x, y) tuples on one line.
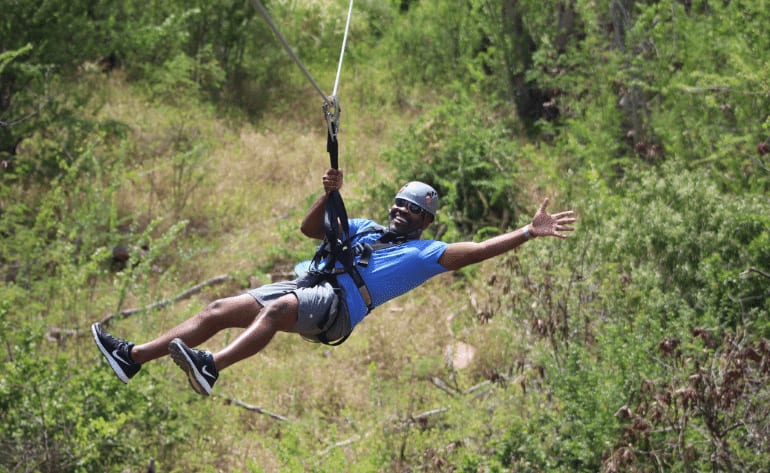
[(280, 315), (237, 311)]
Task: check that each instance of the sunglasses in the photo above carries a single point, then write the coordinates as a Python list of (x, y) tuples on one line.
[(405, 204)]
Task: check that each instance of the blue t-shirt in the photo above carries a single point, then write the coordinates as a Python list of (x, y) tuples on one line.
[(391, 271)]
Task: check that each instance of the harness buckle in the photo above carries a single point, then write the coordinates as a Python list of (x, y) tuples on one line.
[(365, 252)]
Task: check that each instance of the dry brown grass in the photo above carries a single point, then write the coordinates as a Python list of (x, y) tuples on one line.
[(259, 180)]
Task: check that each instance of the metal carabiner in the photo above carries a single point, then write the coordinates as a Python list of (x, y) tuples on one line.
[(331, 108)]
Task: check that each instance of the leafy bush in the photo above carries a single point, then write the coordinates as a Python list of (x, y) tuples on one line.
[(698, 242), (432, 43), (633, 318), (469, 158), (59, 416)]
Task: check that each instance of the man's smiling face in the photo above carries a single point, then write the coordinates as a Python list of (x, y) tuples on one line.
[(406, 217)]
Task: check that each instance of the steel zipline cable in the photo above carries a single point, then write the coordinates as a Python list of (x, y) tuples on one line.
[(331, 106), (342, 51), (263, 11)]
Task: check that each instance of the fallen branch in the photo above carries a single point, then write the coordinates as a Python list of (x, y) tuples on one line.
[(344, 443), (160, 304), (56, 334), (421, 419), (717, 89), (755, 270), (477, 387), (443, 386), (256, 409)]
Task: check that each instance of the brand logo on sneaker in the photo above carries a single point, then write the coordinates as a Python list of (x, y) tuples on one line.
[(205, 371), (117, 356)]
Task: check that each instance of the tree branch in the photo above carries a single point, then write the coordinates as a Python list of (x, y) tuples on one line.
[(55, 334), (160, 304), (257, 409), (755, 270), (421, 418), (344, 443), (443, 386), (717, 89)]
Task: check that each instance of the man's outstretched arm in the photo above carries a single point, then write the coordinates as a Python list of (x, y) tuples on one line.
[(459, 255)]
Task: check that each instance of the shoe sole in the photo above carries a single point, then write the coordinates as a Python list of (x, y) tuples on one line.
[(183, 360), (113, 364)]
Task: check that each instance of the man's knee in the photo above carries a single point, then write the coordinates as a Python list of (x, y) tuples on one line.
[(215, 308), (220, 309), (282, 314), (236, 311)]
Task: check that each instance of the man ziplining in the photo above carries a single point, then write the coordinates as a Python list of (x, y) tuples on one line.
[(325, 304), (360, 266)]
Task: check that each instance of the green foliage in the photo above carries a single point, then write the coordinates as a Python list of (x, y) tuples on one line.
[(37, 40), (183, 78), (698, 242), (638, 345), (61, 417), (186, 52), (435, 41), (702, 413), (712, 87), (661, 269), (53, 27), (468, 157), (58, 415), (66, 224)]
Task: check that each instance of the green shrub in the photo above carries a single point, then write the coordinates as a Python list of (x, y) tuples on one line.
[(667, 269), (698, 240), (469, 158), (58, 415)]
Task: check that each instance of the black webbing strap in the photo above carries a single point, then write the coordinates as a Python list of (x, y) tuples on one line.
[(336, 227), (322, 338), (332, 145)]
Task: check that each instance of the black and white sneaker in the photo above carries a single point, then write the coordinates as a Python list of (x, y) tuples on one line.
[(117, 351), (198, 364)]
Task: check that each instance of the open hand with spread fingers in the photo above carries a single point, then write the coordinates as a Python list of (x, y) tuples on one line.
[(545, 224)]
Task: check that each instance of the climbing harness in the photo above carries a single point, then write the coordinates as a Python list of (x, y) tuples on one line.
[(334, 249), (323, 267)]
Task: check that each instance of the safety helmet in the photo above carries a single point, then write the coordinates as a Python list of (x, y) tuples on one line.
[(420, 194)]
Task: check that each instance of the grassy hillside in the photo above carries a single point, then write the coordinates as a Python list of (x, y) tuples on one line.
[(240, 202), (189, 139), (262, 180)]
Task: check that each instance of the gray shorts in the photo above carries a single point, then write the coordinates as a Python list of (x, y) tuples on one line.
[(321, 310)]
